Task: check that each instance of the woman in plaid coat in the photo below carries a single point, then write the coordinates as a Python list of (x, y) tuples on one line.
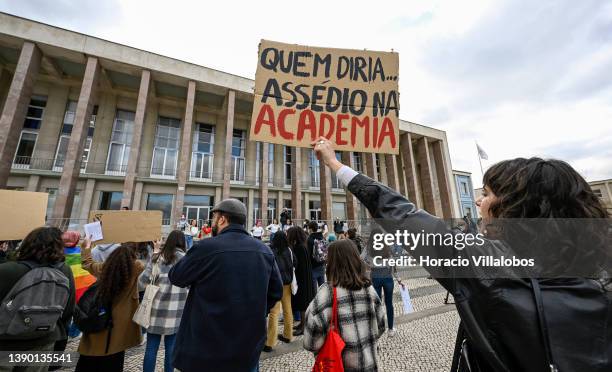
[(168, 304), (361, 316)]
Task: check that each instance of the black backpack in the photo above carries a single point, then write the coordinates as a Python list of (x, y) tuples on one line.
[(90, 316)]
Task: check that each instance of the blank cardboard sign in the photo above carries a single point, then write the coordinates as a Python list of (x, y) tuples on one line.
[(128, 226), (21, 212)]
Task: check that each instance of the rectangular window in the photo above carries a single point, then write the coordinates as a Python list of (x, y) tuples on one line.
[(270, 149), (161, 202), (464, 188), (287, 152), (313, 166), (598, 193), (62, 146), (25, 149), (36, 109), (314, 210), (357, 162), (377, 161), (110, 200), (334, 180), (121, 141), (29, 134), (202, 152), (197, 207), (238, 161), (166, 148), (339, 210)]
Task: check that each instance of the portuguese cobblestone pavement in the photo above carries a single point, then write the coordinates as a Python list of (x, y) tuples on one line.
[(424, 340)]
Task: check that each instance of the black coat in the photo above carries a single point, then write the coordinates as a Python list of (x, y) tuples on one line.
[(499, 316), (233, 283), (303, 274), (285, 264)]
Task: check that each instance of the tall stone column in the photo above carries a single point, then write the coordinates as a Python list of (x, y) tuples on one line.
[(426, 176), (392, 176), (72, 164), (325, 191), (369, 160), (16, 106), (185, 154), (443, 181), (401, 174), (296, 183), (263, 182), (229, 133), (406, 151), (351, 201), (132, 166), (86, 198)]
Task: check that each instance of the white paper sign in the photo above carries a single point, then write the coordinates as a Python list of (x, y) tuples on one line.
[(406, 300), (93, 231)]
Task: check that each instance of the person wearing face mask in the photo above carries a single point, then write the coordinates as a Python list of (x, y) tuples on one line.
[(233, 283)]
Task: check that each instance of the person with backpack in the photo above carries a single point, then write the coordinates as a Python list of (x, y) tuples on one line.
[(317, 249), (296, 238), (286, 261), (551, 321), (38, 278), (167, 306), (359, 318), (107, 309)]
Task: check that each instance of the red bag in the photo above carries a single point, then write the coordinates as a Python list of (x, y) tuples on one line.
[(329, 358)]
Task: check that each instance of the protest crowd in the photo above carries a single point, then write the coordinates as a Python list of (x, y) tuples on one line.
[(214, 294)]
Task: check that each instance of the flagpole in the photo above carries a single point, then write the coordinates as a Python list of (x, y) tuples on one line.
[(479, 159)]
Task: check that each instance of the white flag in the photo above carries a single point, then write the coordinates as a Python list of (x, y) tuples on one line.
[(482, 153)]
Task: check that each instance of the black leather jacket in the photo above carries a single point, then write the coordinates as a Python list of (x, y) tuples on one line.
[(499, 316)]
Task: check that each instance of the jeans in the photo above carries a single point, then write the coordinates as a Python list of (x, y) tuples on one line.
[(150, 356), (189, 241), (318, 277), (386, 285), (256, 368)]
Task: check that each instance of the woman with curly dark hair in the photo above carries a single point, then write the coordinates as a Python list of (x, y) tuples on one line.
[(118, 286), (549, 315), (41, 247)]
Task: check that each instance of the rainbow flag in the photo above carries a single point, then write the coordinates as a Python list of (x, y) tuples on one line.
[(82, 278)]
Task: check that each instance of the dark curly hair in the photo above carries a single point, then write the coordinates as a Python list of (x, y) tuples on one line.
[(43, 245), (546, 210), (116, 273), (538, 188)]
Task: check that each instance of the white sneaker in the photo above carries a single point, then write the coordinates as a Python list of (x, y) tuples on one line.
[(391, 332)]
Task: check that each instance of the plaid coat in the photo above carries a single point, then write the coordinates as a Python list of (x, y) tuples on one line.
[(169, 302), (361, 318)]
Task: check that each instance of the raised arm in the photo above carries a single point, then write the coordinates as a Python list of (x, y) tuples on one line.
[(87, 262)]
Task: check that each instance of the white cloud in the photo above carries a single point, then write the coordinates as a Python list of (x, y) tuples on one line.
[(522, 78)]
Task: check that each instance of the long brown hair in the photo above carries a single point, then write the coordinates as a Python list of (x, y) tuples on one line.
[(344, 266), (296, 237), (174, 241), (116, 274), (43, 245)]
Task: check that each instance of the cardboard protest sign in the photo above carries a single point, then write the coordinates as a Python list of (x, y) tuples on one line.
[(349, 96), (21, 212), (128, 226)]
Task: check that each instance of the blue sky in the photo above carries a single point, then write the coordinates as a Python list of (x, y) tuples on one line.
[(523, 78)]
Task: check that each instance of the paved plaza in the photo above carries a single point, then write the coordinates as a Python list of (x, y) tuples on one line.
[(424, 340)]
